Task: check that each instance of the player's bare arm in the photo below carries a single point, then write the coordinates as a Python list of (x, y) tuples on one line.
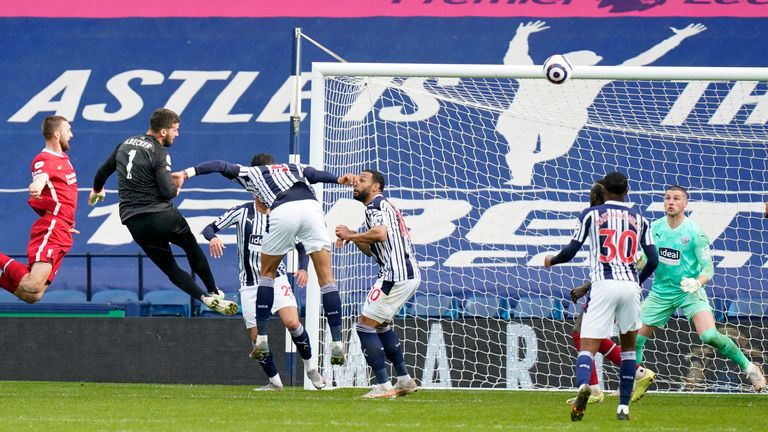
[(580, 291), (216, 247), (37, 185)]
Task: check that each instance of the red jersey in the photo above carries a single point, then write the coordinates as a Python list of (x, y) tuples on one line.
[(59, 196)]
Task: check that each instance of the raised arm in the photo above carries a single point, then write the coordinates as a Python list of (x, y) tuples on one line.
[(314, 175), (102, 174), (228, 170), (517, 53), (665, 46)]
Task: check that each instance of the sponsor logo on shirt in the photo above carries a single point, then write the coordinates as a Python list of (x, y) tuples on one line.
[(255, 239), (669, 256)]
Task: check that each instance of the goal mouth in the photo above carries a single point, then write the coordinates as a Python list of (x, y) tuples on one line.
[(490, 166)]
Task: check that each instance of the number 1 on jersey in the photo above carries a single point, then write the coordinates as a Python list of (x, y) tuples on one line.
[(131, 155)]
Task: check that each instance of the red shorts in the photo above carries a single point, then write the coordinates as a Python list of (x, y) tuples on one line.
[(49, 241)]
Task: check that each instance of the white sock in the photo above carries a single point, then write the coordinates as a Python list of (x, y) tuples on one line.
[(276, 380), (306, 365), (405, 379), (639, 373), (595, 389), (622, 409), (261, 338)]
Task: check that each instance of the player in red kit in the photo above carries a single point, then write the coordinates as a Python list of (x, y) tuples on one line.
[(53, 196)]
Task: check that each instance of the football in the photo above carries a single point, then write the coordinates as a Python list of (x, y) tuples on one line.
[(557, 69)]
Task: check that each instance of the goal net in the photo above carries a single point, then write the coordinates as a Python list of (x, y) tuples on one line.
[(491, 165)]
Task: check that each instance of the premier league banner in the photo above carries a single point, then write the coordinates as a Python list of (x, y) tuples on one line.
[(225, 68)]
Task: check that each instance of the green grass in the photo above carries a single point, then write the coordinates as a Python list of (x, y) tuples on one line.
[(57, 406)]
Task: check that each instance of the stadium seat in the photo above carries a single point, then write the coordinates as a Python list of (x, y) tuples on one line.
[(434, 306), (114, 296), (743, 307), (486, 306), (538, 307), (64, 296), (169, 303)]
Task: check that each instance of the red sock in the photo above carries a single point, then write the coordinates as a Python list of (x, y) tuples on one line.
[(13, 271), (611, 351), (576, 337)]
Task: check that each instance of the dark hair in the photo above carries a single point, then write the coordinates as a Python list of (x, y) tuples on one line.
[(615, 183), (163, 118), (377, 177), (51, 124), (678, 188), (262, 159), (596, 194)]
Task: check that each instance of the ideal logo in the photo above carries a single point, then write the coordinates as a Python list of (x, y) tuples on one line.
[(255, 239), (669, 256)]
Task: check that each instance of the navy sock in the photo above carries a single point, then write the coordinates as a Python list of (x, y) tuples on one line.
[(268, 364), (373, 351), (393, 349), (265, 297), (584, 367), (332, 309), (301, 340), (627, 373)]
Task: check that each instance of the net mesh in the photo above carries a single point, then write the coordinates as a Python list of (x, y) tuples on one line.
[(490, 175)]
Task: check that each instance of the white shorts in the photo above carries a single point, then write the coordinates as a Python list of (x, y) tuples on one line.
[(283, 298), (611, 302), (383, 307), (303, 220)]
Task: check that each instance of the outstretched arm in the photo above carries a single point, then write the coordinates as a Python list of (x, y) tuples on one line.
[(517, 53), (314, 175), (102, 174), (666, 45)]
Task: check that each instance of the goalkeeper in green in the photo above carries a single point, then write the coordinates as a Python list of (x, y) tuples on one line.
[(685, 266)]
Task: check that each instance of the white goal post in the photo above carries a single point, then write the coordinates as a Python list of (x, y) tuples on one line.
[(490, 165)]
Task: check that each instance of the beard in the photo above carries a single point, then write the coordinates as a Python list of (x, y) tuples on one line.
[(64, 145), (362, 195)]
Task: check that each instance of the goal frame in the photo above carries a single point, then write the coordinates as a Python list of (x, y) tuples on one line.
[(322, 70)]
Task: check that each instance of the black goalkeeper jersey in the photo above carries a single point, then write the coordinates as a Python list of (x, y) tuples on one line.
[(144, 180)]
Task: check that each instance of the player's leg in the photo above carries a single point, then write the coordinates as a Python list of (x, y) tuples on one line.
[(285, 306), (182, 237), (11, 273), (704, 322), (150, 230), (248, 300), (594, 385), (265, 298), (628, 323), (373, 350), (314, 235), (33, 284)]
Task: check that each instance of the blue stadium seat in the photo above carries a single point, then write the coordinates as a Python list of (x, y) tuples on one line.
[(173, 302), (114, 296), (486, 306), (744, 307), (63, 296), (538, 307), (434, 306)]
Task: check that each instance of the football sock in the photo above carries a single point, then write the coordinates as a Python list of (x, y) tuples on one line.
[(301, 340), (639, 345), (265, 297), (268, 364), (373, 352), (332, 309), (583, 368), (11, 272), (627, 372), (393, 349), (725, 346), (610, 351), (576, 338)]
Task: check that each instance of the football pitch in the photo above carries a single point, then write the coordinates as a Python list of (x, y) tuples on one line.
[(35, 406)]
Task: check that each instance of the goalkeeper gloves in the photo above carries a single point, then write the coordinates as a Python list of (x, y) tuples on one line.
[(640, 260), (690, 285), (95, 197)]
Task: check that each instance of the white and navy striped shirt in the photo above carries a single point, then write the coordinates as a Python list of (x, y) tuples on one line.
[(616, 233), (281, 182), (251, 227), (395, 255)]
